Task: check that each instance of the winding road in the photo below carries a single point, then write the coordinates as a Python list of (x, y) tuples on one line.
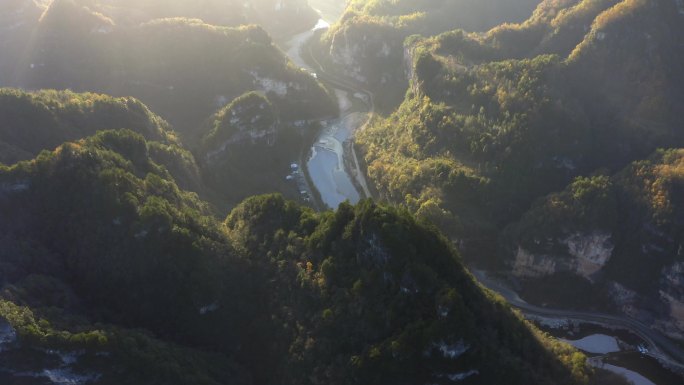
[(659, 346)]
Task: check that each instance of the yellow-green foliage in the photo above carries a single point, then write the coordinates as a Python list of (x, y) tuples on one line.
[(180, 66), (509, 108), (392, 303), (638, 206), (617, 13), (41, 333), (42, 120), (116, 355)]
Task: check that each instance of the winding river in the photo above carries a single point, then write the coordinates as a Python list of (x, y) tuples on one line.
[(326, 166), (334, 181)]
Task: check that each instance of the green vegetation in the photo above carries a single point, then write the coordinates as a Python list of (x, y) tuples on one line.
[(640, 208), (183, 68), (106, 354), (275, 286), (496, 121), (248, 114), (247, 150), (516, 129), (351, 274), (115, 270), (430, 17), (278, 17), (43, 120), (367, 43), (36, 121)]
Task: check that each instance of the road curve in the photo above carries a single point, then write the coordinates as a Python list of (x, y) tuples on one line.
[(660, 347)]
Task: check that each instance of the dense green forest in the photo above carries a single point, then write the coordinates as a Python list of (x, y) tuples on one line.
[(247, 149), (494, 121), (32, 122), (122, 48), (43, 120), (271, 287), (480, 133), (367, 42), (152, 154)]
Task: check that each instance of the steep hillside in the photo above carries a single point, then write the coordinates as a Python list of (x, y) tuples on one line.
[(184, 69), (479, 130), (49, 346), (367, 42), (95, 233), (248, 150), (37, 121), (97, 229), (278, 17), (494, 121), (620, 234), (407, 314)]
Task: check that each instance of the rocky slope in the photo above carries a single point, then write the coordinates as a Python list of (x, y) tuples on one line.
[(622, 234), (248, 149)]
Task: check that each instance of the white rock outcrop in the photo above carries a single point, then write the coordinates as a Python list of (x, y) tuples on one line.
[(587, 254)]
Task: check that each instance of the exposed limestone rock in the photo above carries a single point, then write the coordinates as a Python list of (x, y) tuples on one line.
[(248, 119), (270, 85), (591, 251), (672, 325), (533, 266), (624, 298), (347, 55), (587, 254), (672, 294)]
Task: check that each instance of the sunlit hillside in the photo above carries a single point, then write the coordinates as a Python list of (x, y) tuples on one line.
[(341, 192)]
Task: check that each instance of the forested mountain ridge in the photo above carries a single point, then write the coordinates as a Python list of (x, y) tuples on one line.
[(278, 17), (367, 42), (42, 120), (184, 69), (527, 126), (72, 46), (31, 122), (128, 255), (249, 131), (138, 252), (492, 121), (618, 236)]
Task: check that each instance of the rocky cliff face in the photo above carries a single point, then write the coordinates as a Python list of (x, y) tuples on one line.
[(636, 259), (367, 53), (672, 294), (588, 255), (585, 255), (249, 119)]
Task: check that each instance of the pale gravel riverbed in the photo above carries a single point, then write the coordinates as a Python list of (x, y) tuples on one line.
[(596, 344)]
